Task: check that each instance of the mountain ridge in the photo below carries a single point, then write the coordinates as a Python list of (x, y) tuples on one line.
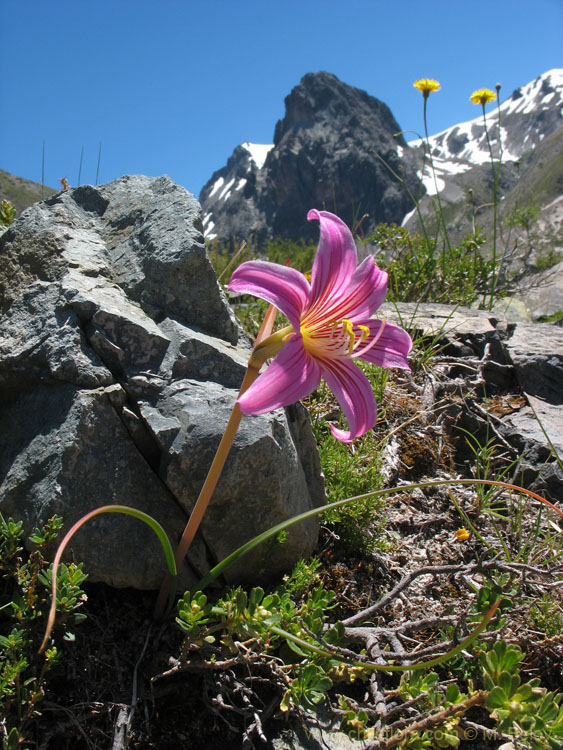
[(325, 118)]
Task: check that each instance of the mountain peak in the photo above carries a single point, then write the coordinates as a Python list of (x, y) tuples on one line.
[(322, 98)]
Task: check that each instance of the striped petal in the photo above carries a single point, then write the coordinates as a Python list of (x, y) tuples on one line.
[(335, 260), (355, 396), (360, 299), (291, 375), (283, 287), (392, 347)]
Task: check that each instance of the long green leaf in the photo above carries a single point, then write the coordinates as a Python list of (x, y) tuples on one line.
[(265, 535), (149, 520)]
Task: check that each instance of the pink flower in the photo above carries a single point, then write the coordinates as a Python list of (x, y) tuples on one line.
[(330, 326)]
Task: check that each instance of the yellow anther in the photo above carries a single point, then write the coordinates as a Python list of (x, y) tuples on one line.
[(365, 332), (349, 328)]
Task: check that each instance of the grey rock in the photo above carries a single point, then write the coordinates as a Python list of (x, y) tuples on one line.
[(459, 330), (543, 292), (263, 481), (120, 361), (512, 309), (526, 357), (536, 351), (70, 453)]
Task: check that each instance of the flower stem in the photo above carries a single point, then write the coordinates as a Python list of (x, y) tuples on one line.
[(217, 465), (442, 220), (496, 174)]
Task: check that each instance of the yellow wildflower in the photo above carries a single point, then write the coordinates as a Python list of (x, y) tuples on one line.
[(462, 535), (426, 86), (482, 96)]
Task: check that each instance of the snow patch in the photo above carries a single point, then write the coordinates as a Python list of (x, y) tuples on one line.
[(258, 152), (408, 216), (216, 186), (208, 230), (224, 194)]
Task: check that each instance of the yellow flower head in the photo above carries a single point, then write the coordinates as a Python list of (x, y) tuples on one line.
[(462, 535), (426, 86), (482, 96)]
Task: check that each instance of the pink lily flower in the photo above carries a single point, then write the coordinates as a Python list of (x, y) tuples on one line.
[(330, 326)]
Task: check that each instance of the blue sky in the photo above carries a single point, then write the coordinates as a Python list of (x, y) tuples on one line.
[(171, 87)]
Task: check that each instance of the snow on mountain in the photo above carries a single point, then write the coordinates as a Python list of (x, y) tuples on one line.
[(530, 114), (258, 152), (527, 106), (230, 182)]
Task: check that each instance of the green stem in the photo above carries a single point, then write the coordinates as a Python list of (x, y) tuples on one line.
[(441, 221), (149, 520), (496, 175), (237, 554)]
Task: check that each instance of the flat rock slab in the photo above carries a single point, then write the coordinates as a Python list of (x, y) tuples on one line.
[(433, 318)]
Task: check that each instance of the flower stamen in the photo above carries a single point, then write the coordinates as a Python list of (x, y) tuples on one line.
[(373, 342)]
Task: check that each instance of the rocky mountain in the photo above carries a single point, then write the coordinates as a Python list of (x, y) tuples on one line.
[(526, 133), (327, 152)]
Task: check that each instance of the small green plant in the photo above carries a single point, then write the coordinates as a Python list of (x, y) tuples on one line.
[(303, 576), (7, 213), (525, 707), (522, 710), (24, 602), (421, 271), (546, 615), (548, 259), (274, 623)]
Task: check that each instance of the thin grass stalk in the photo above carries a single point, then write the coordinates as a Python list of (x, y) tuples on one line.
[(442, 220), (98, 164), (80, 167), (43, 170), (496, 176)]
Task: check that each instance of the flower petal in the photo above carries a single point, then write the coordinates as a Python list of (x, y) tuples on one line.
[(354, 394), (360, 299), (336, 257), (392, 348), (284, 287), (291, 375)]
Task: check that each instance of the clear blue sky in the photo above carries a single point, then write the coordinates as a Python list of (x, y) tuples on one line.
[(171, 87)]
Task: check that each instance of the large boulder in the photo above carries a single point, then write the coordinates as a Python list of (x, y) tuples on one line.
[(120, 361)]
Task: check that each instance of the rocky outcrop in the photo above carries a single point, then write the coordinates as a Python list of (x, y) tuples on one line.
[(329, 152), (120, 361), (518, 366)]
